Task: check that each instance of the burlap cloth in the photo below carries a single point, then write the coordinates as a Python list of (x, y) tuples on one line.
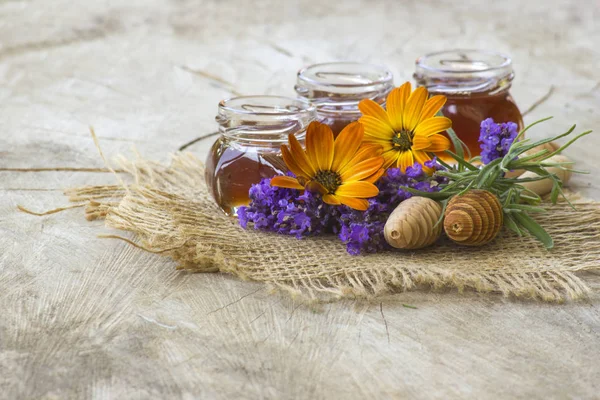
[(170, 212)]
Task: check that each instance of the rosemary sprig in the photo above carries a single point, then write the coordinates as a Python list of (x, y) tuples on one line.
[(517, 201)]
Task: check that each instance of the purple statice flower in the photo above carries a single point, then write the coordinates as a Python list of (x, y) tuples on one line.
[(287, 211), (495, 139), (362, 231)]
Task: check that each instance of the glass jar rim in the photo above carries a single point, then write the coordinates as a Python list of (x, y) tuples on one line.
[(266, 106), (457, 71), (338, 87), (342, 76), (264, 120)]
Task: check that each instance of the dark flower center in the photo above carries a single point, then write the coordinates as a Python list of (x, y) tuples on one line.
[(403, 140), (329, 179)]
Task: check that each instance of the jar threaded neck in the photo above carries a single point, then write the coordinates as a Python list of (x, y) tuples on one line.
[(338, 87), (264, 120), (462, 72)]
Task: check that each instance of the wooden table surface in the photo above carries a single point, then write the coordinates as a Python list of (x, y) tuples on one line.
[(84, 317)]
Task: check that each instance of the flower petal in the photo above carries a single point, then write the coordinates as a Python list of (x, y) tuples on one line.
[(365, 151), (286, 182), (290, 161), (376, 128), (372, 109), (346, 144), (357, 204), (357, 189), (316, 187), (421, 157), (432, 106), (414, 106), (396, 104), (405, 160), (300, 157), (438, 143), (384, 146), (363, 169), (331, 199), (375, 177), (390, 157), (420, 142), (432, 125), (319, 145)]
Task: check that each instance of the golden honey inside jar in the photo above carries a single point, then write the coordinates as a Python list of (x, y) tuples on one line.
[(252, 128), (337, 88), (476, 84)]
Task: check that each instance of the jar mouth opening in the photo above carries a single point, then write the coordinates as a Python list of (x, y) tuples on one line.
[(460, 70), (343, 83), (344, 75), (464, 61), (266, 106)]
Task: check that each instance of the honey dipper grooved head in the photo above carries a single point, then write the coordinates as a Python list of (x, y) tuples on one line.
[(413, 224), (474, 218)]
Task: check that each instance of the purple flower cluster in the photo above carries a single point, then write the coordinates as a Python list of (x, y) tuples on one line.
[(293, 212), (287, 211), (362, 231), (495, 139)]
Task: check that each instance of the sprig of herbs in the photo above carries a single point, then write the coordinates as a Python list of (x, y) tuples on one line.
[(517, 201)]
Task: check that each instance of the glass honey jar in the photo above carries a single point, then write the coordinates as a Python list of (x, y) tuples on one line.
[(476, 84), (337, 88), (252, 129)]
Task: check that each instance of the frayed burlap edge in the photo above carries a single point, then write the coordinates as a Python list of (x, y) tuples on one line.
[(169, 211)]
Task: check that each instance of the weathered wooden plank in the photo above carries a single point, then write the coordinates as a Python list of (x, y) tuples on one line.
[(89, 317)]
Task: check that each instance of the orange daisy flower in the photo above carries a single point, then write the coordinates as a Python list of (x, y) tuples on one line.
[(343, 170), (409, 129)]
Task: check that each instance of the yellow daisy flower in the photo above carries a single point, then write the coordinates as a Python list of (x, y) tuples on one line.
[(343, 170), (409, 129)]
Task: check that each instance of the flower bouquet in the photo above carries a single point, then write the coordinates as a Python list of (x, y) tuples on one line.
[(356, 185)]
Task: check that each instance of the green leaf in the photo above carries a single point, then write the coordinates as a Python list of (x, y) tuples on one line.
[(511, 181), (547, 140), (519, 148), (569, 143), (555, 191), (431, 195), (510, 223), (509, 195), (530, 126), (533, 156), (462, 161), (444, 204), (445, 164), (486, 171), (534, 228), (565, 197), (536, 169), (535, 199), (458, 144), (466, 189), (526, 207)]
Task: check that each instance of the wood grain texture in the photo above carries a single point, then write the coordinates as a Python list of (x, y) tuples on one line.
[(94, 318)]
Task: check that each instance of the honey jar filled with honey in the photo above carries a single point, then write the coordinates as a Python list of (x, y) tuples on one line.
[(337, 88), (252, 129), (476, 84)]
